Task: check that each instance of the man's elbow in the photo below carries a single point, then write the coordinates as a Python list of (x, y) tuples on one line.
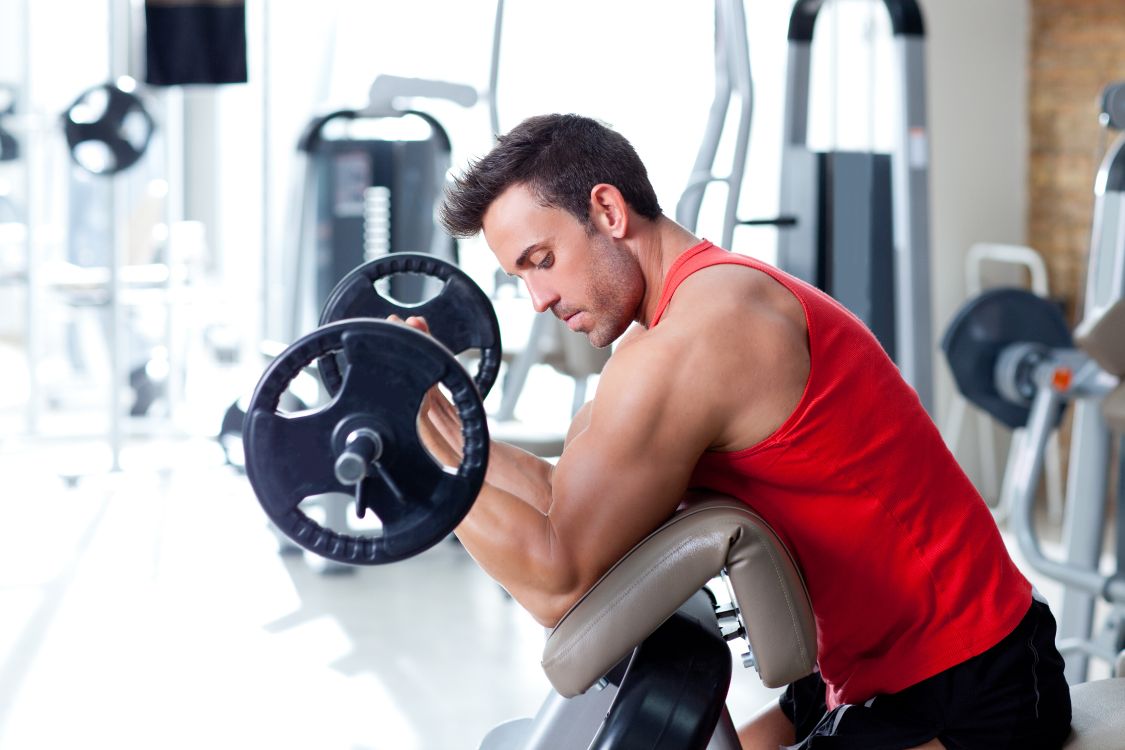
[(561, 579), (549, 609), (559, 588)]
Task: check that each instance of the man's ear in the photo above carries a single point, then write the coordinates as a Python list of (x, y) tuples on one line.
[(608, 210)]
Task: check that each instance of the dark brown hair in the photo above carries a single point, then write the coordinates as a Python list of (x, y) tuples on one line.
[(560, 158)]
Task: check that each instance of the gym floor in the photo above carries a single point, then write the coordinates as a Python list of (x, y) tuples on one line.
[(150, 609)]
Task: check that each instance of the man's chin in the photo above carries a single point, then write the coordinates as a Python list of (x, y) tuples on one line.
[(601, 339)]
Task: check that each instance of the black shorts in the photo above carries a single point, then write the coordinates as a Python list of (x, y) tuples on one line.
[(1012, 696)]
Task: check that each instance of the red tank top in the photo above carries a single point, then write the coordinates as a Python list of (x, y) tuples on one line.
[(907, 572)]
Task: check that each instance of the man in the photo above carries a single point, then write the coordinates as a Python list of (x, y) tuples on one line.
[(744, 380)]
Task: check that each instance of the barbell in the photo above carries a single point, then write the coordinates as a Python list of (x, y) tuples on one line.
[(364, 441)]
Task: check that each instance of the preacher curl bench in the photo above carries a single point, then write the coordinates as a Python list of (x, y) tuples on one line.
[(669, 691)]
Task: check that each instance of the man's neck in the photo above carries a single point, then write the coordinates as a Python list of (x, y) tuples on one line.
[(657, 249)]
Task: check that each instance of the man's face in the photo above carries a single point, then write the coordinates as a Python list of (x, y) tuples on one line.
[(585, 279)]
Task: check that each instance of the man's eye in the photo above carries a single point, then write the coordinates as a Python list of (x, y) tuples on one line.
[(547, 262)]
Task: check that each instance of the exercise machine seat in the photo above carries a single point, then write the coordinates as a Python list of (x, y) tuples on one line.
[(1099, 715), (1102, 336), (709, 534), (1113, 407)]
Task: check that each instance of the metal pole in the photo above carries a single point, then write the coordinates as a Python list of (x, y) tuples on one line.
[(797, 246), (173, 130), (30, 234), (1025, 481), (494, 69), (269, 291), (910, 163), (120, 44), (738, 58), (702, 173)]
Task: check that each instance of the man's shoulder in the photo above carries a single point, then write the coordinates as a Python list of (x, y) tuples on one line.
[(645, 350), (654, 370), (722, 319), (720, 300), (724, 282)]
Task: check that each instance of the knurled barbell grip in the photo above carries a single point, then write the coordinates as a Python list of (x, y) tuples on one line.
[(361, 448)]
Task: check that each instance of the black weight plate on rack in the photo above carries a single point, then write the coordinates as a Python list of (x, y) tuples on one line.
[(290, 457), (460, 316), (114, 118), (979, 332)]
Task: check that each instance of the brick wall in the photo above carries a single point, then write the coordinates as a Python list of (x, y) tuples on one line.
[(1077, 47)]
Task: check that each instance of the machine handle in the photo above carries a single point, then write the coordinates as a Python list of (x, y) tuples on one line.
[(386, 88), (777, 221), (906, 19)]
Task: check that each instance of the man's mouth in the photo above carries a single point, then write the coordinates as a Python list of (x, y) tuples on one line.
[(572, 320)]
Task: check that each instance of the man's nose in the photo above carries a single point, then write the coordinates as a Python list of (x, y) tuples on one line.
[(542, 297)]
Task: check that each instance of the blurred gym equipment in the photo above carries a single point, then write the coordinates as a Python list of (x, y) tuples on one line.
[(1013, 355)]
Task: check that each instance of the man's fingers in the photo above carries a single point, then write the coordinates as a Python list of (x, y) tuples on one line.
[(417, 321), (414, 321)]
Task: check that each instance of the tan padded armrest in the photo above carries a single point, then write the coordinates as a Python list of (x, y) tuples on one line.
[(657, 576), (1102, 336), (1113, 407)]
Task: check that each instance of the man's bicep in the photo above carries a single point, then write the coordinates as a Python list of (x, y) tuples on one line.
[(579, 424), (627, 471)]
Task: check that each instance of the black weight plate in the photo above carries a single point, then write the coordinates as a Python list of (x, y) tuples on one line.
[(987, 324), (290, 457), (230, 434), (1113, 105), (9, 146), (230, 430), (110, 122), (460, 316)]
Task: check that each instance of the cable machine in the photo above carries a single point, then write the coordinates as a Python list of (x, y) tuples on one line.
[(856, 224)]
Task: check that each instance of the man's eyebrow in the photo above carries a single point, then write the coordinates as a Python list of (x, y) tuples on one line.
[(522, 260)]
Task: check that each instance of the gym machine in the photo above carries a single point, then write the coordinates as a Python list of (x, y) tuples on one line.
[(1013, 259), (108, 129), (1013, 355), (371, 179), (105, 267), (860, 220), (641, 660)]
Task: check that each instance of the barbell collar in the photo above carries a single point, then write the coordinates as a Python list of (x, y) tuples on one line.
[(362, 448)]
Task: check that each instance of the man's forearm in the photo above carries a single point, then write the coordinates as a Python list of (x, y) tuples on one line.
[(516, 544), (525, 475), (511, 469)]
